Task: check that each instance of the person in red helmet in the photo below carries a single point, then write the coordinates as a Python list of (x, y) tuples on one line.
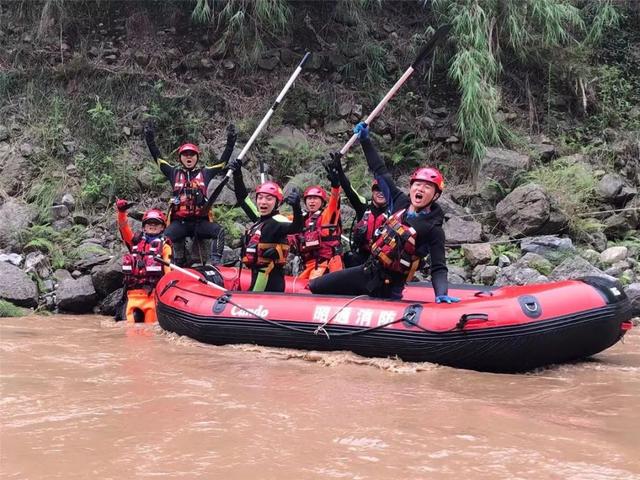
[(188, 216), (319, 242), (369, 215), (412, 231), (264, 246), (141, 271)]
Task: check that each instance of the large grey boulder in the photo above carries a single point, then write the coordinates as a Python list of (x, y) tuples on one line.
[(517, 275), (16, 216), (108, 277), (78, 296), (548, 246), (17, 287), (528, 210), (477, 253), (503, 165), (614, 189), (459, 231), (111, 302), (633, 292), (576, 267)]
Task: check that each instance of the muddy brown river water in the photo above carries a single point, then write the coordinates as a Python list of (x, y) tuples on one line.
[(83, 397)]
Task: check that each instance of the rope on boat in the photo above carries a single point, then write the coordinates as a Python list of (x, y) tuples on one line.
[(320, 329)]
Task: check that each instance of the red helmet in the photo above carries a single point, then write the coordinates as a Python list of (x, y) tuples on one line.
[(188, 147), (154, 214), (270, 188), (315, 191), (429, 174)]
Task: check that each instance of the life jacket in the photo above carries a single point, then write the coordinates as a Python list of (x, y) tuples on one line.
[(189, 195), (365, 230), (139, 267), (313, 242), (395, 247), (253, 255)]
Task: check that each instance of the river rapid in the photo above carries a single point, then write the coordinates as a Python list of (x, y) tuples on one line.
[(85, 397)]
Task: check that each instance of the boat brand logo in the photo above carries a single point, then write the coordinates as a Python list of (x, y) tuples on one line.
[(259, 311)]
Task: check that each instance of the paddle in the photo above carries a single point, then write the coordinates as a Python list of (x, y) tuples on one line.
[(428, 49), (173, 266), (263, 122)]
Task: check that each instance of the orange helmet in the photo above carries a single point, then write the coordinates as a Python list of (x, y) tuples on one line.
[(315, 191), (429, 174), (189, 147), (270, 188), (154, 214)]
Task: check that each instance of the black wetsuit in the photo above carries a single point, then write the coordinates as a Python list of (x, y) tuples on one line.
[(195, 227), (274, 228), (371, 278)]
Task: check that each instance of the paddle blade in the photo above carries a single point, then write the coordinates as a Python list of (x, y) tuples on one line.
[(437, 38)]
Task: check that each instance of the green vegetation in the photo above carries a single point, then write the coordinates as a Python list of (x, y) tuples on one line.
[(59, 245), (573, 187), (228, 218), (8, 309), (510, 250)]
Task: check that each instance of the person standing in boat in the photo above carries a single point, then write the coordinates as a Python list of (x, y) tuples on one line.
[(319, 243), (188, 216), (141, 270), (265, 247), (412, 231), (369, 215)]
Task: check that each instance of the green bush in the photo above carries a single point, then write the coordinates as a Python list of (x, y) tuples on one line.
[(8, 309), (58, 244)]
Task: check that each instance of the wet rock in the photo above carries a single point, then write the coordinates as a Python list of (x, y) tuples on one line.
[(38, 263), (459, 231), (69, 202), (4, 133), (12, 258), (548, 246), (76, 295), (17, 287), (544, 151), (459, 272), (633, 292), (614, 254), (616, 226), (535, 261), (576, 267), (503, 165), (108, 277), (504, 261), (478, 253), (528, 210), (516, 275), (614, 189), (597, 240), (485, 274), (16, 216), (590, 256), (59, 212), (618, 269), (451, 208), (111, 302)]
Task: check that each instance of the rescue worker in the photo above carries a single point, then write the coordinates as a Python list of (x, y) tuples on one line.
[(141, 271), (265, 247), (369, 215), (319, 243), (188, 216), (413, 230)]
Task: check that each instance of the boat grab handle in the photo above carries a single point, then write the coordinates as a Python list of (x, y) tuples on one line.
[(483, 292), (467, 317)]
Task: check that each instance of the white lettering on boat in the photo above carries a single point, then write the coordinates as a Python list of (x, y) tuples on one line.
[(260, 311), (385, 317), (364, 316), (343, 316), (321, 313)]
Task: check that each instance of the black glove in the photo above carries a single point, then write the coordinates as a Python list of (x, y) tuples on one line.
[(232, 134), (123, 205), (332, 167), (149, 129), (235, 165), (271, 253), (293, 198)]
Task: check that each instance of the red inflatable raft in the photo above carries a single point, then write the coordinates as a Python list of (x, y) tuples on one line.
[(506, 329)]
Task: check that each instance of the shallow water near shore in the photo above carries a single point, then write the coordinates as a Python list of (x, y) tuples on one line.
[(82, 396)]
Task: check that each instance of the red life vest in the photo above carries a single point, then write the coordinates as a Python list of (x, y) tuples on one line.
[(254, 249), (139, 267), (364, 231), (314, 244), (395, 247), (189, 195)]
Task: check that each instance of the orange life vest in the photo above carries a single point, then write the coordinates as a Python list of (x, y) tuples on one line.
[(189, 195), (312, 243), (139, 267), (395, 247)]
